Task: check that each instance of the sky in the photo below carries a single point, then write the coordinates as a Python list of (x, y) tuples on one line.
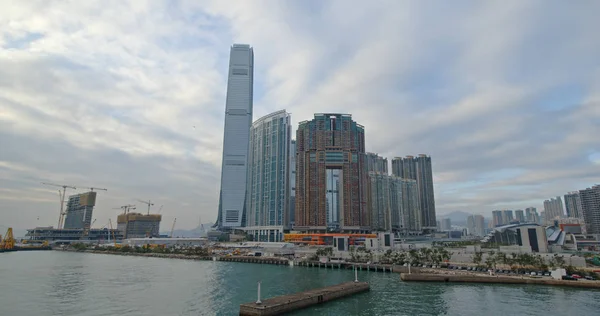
[(130, 96)]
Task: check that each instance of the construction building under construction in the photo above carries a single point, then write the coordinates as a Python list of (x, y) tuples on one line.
[(79, 210), (54, 235), (136, 225)]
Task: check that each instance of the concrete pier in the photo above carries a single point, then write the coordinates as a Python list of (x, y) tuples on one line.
[(288, 303), (430, 277)]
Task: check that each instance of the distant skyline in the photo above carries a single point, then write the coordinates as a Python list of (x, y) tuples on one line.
[(130, 96)]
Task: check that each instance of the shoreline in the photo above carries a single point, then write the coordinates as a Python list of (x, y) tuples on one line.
[(464, 278)]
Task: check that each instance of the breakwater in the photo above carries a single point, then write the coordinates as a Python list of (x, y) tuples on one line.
[(464, 278), (287, 303)]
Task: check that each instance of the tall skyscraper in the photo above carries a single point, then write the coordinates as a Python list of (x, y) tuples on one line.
[(497, 219), (553, 208), (267, 203), (238, 118), (573, 205), (531, 215), (378, 197), (520, 216), (419, 168), (475, 224), (376, 163), (79, 210), (507, 217), (331, 177), (292, 183), (590, 204)]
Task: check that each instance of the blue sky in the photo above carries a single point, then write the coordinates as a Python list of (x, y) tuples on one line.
[(504, 95)]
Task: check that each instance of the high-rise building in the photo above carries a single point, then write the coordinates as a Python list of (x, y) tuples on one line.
[(419, 168), (238, 119), (553, 209), (79, 210), (331, 177), (292, 183), (476, 226), (573, 205), (446, 224), (393, 204), (520, 216), (378, 197), (268, 180), (590, 204), (376, 163), (497, 218), (507, 217), (531, 215)]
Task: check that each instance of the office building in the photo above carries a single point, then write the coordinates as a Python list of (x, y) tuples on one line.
[(376, 163), (553, 209), (136, 225), (268, 180), (520, 216), (475, 225), (393, 204), (79, 210), (331, 177), (419, 168), (590, 205), (573, 205), (507, 217), (238, 119), (497, 218), (292, 183)]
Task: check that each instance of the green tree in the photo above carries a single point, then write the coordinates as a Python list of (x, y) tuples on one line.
[(477, 257)]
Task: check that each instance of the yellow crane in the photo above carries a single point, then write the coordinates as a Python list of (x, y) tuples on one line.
[(8, 242), (113, 232), (62, 200)]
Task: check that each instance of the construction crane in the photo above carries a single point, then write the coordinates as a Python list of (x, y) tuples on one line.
[(125, 208), (92, 189), (62, 200), (173, 227), (112, 231), (86, 230), (149, 203)]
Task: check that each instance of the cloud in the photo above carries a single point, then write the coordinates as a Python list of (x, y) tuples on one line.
[(505, 98)]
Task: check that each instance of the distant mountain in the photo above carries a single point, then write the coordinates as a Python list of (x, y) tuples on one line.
[(196, 232)]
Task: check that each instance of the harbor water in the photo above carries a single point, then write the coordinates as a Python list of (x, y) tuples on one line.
[(83, 284)]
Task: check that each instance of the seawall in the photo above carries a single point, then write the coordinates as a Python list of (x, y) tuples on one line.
[(430, 277)]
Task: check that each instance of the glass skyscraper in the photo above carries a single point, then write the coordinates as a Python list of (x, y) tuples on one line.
[(238, 118), (268, 180)]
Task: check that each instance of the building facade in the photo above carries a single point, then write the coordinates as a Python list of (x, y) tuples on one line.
[(376, 163), (379, 201), (79, 210), (238, 119), (573, 205), (553, 209), (446, 224), (590, 204), (331, 177), (419, 169), (292, 184), (268, 180)]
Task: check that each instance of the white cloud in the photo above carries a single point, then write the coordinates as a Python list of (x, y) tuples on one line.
[(107, 93)]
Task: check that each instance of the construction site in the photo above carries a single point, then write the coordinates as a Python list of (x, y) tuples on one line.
[(75, 221)]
